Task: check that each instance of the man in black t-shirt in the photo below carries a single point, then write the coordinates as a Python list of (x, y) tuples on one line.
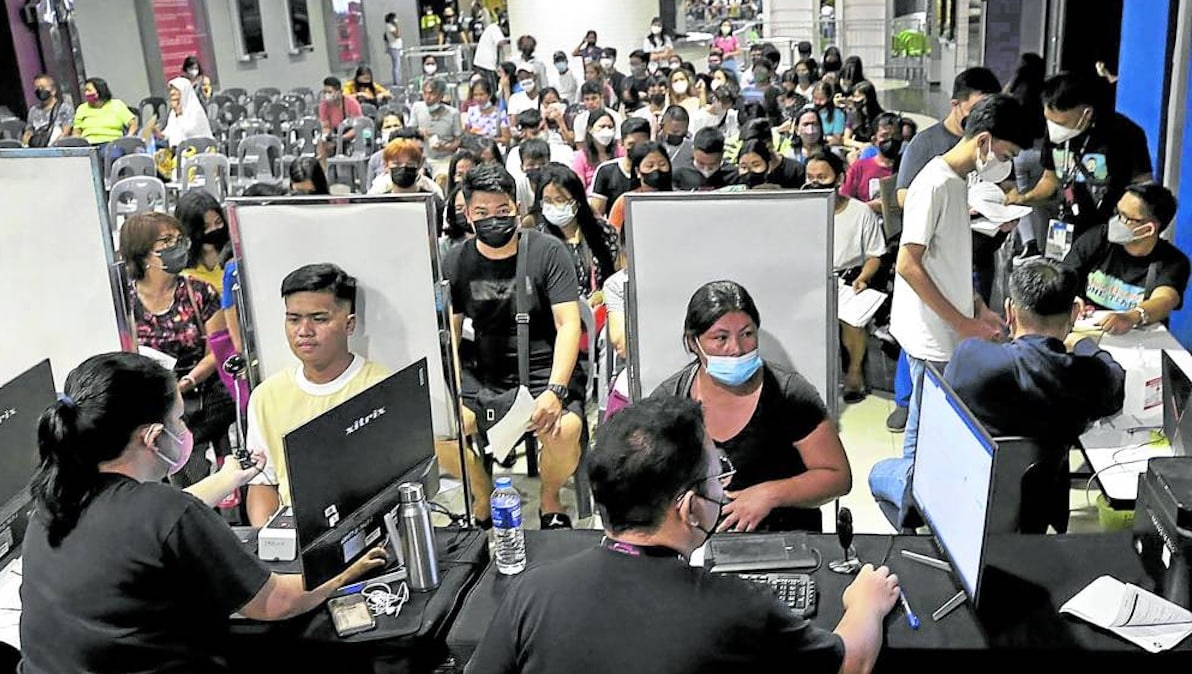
[(1126, 268), (614, 177), (1089, 157), (634, 603), (707, 170), (482, 273)]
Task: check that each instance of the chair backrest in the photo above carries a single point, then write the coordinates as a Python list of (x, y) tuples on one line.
[(118, 148), (236, 94), (304, 137), (71, 141), (12, 129), (1030, 486), (133, 165), (262, 153), (232, 113), (10, 144), (213, 172), (364, 143), (259, 104), (369, 110), (272, 92), (277, 115), (295, 103), (135, 195), (192, 146), (153, 106), (391, 109), (306, 93), (243, 129)]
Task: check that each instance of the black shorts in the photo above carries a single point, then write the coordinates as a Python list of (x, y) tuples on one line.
[(470, 385)]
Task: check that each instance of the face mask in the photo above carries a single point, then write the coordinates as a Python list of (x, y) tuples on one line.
[(809, 135), (173, 259), (707, 172), (435, 108), (708, 533), (713, 67), (890, 147), (733, 370), (726, 30), (992, 169), (430, 68), (43, 95), (330, 98), (752, 180), (675, 139), (404, 176), (658, 180), (604, 136), (680, 87), (91, 97), (761, 76), (364, 85), (658, 99), (561, 66), (193, 72), (216, 238), (1121, 233), (534, 175), (184, 443), (559, 215), (607, 64), (656, 30), (496, 231), (809, 185), (804, 78), (653, 67), (638, 71), (1058, 133)]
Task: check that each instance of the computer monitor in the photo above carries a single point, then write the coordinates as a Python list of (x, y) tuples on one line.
[(953, 479), (343, 458), (22, 401), (1177, 393)]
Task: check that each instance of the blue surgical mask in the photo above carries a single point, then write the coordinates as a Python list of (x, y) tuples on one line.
[(733, 370)]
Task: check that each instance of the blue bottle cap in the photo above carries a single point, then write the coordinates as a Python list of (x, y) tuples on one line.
[(503, 482)]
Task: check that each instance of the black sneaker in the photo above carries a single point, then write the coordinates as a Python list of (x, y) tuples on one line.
[(547, 521), (896, 422)]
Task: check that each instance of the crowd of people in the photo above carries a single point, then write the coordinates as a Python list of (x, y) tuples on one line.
[(532, 176)]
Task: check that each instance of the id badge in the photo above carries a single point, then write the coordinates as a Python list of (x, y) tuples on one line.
[(1059, 239)]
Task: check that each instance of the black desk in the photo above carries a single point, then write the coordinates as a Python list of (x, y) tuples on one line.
[(413, 641), (1036, 573)]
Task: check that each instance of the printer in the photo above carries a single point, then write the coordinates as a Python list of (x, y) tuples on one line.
[(1163, 527)]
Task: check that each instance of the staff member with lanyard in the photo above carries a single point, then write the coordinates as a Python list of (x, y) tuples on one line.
[(123, 573)]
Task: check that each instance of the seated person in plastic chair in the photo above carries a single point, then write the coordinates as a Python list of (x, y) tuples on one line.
[(1047, 384), (320, 317), (768, 420), (334, 108), (482, 272)]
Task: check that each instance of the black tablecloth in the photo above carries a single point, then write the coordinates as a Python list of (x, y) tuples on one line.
[(412, 641), (1028, 579)]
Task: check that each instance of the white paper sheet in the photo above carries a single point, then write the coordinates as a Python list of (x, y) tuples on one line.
[(1140, 617), (164, 359), (10, 604), (509, 429), (857, 309)]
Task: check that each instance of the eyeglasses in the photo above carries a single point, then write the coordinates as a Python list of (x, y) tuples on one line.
[(724, 477), (171, 240), (1131, 222)]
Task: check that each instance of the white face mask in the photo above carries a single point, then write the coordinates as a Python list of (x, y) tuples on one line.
[(193, 72), (559, 215), (604, 136), (1121, 233), (1058, 133), (607, 64), (706, 172), (680, 87), (528, 85), (653, 67), (992, 169), (656, 30), (430, 68)]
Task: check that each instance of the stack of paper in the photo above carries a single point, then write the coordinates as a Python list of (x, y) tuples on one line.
[(10, 604), (858, 308), (1132, 613)]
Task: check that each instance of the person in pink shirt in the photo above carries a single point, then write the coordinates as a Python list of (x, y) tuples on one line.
[(599, 146), (727, 43), (877, 162), (334, 108)]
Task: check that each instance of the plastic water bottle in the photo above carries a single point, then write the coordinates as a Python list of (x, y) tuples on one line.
[(509, 541)]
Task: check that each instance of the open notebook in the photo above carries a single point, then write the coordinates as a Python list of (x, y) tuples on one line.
[(1140, 617)]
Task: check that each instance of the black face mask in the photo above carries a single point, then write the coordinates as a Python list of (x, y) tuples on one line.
[(713, 67), (43, 95), (173, 259), (658, 180), (216, 238), (890, 147), (404, 176), (658, 99), (534, 175), (752, 180), (816, 186), (496, 231), (675, 138)]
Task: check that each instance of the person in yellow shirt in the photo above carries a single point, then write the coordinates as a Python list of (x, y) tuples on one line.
[(203, 220), (366, 89), (320, 317), (102, 119)]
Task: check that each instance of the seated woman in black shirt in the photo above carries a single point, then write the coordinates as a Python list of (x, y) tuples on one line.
[(768, 420), (123, 573)]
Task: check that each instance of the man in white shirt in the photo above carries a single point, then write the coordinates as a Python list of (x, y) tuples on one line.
[(567, 87), (935, 305), (487, 56), (592, 93), (527, 98)]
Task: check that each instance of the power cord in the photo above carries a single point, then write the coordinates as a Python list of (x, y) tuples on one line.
[(1088, 486), (382, 600), (456, 520)]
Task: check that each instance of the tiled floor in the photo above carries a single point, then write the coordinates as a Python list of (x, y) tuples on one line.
[(866, 441)]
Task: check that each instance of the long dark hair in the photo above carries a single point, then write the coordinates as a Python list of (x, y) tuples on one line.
[(711, 302), (565, 179), (106, 398), (455, 227), (853, 71), (590, 146), (191, 213), (460, 155), (309, 168), (364, 70)]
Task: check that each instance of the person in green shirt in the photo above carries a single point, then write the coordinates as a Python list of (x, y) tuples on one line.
[(102, 119)]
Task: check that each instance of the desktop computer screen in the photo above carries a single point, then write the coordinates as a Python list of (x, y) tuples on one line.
[(349, 454), (953, 477), (22, 401), (1177, 392)]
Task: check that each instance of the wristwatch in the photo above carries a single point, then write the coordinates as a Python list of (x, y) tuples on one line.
[(559, 390), (1143, 318)]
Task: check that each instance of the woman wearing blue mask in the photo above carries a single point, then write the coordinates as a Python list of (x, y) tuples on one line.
[(769, 420)]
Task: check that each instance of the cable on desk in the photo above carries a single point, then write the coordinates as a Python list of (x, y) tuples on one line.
[(819, 560), (1089, 485)]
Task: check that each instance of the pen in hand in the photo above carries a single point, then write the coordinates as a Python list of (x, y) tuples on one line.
[(911, 618)]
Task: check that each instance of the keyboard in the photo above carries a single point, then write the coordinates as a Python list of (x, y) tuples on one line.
[(796, 590)]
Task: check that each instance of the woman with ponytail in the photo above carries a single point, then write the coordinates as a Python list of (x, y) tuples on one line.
[(121, 571)]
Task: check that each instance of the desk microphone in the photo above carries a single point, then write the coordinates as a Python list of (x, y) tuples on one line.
[(235, 366), (848, 564)]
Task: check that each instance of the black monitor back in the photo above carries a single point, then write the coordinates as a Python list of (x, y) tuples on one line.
[(22, 402)]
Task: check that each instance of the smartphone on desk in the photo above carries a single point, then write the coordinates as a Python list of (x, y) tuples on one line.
[(350, 615)]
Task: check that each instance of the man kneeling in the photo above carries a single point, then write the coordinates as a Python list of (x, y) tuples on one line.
[(635, 604)]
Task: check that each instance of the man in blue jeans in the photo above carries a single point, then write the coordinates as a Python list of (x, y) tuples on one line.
[(934, 304)]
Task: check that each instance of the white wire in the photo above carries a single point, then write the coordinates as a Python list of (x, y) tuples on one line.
[(1089, 485), (383, 600)]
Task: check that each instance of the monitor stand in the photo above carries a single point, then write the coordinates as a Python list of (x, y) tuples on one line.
[(957, 599)]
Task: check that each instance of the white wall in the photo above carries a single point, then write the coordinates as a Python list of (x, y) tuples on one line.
[(111, 46), (281, 69)]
